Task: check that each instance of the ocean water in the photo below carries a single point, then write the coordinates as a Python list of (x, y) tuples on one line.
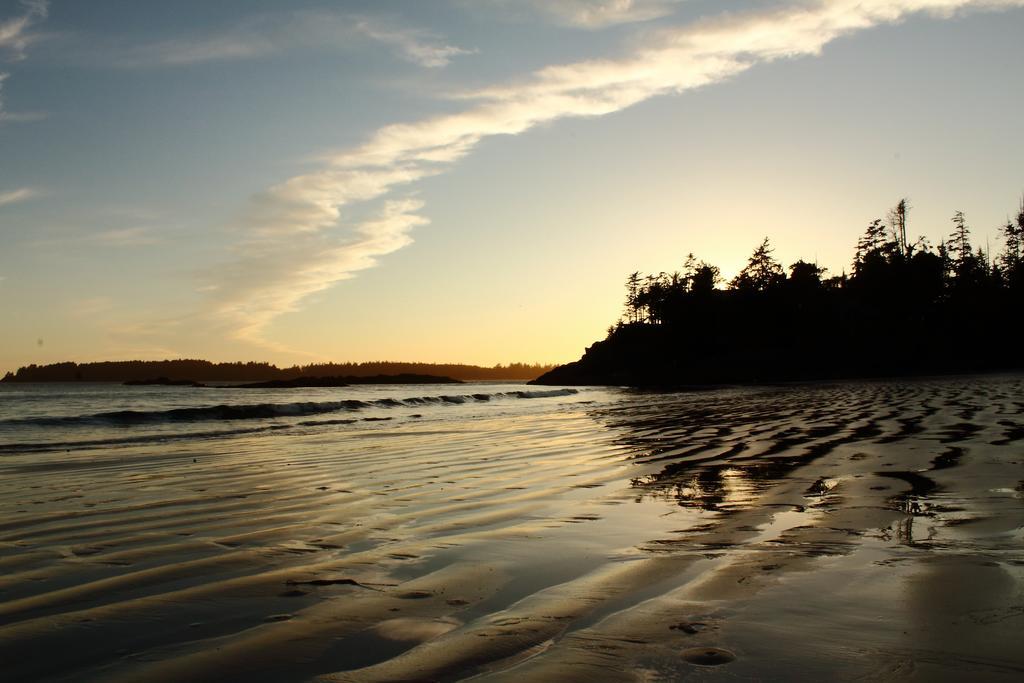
[(51, 417), (831, 531)]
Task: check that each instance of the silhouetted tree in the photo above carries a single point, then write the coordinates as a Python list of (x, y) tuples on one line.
[(958, 246), (705, 279), (898, 221), (969, 269), (805, 277), (907, 307), (653, 296), (761, 273), (1011, 259), (689, 266), (700, 277), (632, 313), (875, 249)]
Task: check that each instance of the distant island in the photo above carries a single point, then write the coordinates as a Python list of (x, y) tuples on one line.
[(303, 382), (905, 309), (188, 370)]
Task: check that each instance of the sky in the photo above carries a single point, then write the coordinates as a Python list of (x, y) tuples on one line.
[(465, 180)]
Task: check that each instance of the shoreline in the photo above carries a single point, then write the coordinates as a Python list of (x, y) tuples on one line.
[(797, 382)]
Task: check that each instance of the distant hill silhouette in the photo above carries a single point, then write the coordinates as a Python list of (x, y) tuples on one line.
[(303, 382), (205, 371), (906, 308)]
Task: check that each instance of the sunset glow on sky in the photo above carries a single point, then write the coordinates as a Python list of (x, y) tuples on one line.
[(461, 180)]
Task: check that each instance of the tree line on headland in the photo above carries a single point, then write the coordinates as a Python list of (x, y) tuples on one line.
[(906, 307), (205, 371)]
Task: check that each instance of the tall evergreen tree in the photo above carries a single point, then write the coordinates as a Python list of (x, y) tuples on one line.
[(958, 246), (898, 221), (1011, 259), (762, 271), (632, 313)]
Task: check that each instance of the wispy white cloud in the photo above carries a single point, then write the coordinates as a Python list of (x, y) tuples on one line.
[(16, 34), (596, 14), (15, 37), (580, 14), (297, 241), (3, 77), (270, 34), (187, 51), (19, 195), (275, 272), (23, 116), (413, 45)]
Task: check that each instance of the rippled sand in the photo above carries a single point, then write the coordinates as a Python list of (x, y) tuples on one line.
[(828, 532)]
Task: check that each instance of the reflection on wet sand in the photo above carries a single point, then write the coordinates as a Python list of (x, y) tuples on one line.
[(834, 531)]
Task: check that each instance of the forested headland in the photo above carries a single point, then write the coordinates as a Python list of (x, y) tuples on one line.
[(205, 371), (905, 307)]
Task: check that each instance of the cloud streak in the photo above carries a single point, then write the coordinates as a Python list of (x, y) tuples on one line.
[(3, 77), (274, 273), (14, 196), (412, 45), (15, 37), (273, 34), (297, 239), (15, 34), (597, 14), (582, 14)]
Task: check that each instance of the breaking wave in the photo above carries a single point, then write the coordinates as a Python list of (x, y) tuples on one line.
[(263, 411)]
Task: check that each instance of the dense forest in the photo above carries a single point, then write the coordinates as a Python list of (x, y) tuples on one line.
[(905, 307), (205, 371)]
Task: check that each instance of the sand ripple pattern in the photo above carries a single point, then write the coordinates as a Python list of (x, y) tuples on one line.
[(595, 539)]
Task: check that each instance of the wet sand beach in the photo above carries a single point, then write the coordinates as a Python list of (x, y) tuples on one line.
[(836, 531)]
